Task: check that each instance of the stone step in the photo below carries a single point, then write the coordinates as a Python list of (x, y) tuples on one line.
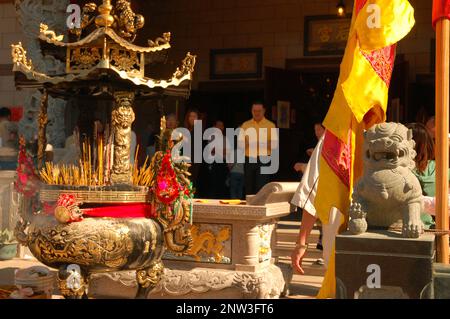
[(284, 249), (303, 291), (309, 265), (289, 224), (304, 286), (292, 225), (305, 279), (291, 235)]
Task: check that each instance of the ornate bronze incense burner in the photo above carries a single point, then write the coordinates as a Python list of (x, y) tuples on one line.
[(104, 214)]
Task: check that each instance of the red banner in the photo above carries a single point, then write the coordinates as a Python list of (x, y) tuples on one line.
[(121, 211), (117, 211), (441, 10)]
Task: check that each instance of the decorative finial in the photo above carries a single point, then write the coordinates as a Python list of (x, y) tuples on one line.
[(105, 19)]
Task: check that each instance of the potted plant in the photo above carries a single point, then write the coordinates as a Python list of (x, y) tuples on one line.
[(8, 245)]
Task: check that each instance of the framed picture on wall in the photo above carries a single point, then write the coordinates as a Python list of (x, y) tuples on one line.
[(283, 114), (235, 63), (326, 34)]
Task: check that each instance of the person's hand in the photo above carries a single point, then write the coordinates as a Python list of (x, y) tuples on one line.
[(309, 151), (299, 167), (297, 258)]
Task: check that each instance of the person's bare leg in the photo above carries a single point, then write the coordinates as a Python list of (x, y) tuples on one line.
[(307, 225)]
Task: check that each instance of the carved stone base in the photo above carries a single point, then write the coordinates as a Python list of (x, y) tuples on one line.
[(381, 264), (197, 283)]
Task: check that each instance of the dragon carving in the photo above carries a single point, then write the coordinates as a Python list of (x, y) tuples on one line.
[(208, 243), (121, 119)]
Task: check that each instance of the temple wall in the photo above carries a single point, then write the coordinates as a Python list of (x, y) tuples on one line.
[(200, 25), (275, 25), (10, 31), (23, 26)]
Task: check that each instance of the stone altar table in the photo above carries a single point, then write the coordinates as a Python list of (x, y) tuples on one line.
[(381, 264), (231, 256)]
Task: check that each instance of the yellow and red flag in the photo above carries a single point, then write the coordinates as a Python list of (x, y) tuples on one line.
[(360, 101)]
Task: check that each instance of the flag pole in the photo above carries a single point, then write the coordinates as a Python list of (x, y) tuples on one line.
[(442, 130)]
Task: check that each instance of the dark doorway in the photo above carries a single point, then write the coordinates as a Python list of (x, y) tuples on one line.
[(226, 101), (309, 93)]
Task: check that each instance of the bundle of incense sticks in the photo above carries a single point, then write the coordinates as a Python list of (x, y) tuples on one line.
[(62, 175), (95, 171), (107, 148), (109, 156), (72, 175), (100, 152), (143, 176)]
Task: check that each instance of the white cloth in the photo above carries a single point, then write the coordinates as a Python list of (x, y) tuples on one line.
[(329, 232), (307, 189), (306, 194)]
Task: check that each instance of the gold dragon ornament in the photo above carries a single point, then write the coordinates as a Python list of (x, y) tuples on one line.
[(175, 214)]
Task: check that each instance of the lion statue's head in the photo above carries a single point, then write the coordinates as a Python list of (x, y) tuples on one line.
[(389, 145)]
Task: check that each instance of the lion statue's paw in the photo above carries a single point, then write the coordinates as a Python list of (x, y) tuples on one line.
[(412, 230)]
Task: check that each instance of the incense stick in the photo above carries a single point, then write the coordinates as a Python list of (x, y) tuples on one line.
[(91, 172)]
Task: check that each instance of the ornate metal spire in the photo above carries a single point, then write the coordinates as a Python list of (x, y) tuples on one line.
[(105, 19)]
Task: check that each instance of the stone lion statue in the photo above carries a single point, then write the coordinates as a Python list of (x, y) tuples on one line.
[(388, 193)]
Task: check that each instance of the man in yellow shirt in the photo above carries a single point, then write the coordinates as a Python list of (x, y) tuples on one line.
[(258, 136)]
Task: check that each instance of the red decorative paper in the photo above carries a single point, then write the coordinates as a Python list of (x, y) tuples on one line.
[(167, 187), (27, 182), (16, 113)]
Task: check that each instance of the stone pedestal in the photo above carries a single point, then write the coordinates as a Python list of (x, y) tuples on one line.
[(441, 281), (231, 255), (382, 264), (184, 282)]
